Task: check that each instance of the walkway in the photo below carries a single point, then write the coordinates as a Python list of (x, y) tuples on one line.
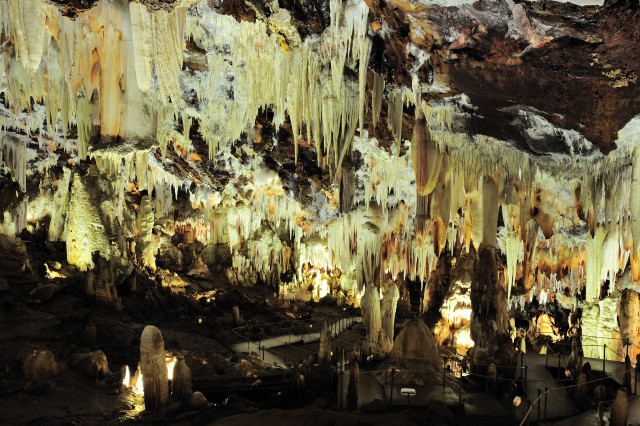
[(336, 327), (590, 418), (559, 404)]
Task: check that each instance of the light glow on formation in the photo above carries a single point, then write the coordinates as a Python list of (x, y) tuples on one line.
[(127, 381), (171, 363)]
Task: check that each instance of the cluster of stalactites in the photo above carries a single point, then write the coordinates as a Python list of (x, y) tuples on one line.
[(80, 70), (305, 81)]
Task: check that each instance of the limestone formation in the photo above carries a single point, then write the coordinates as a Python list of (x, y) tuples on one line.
[(415, 355), (40, 364), (198, 400), (388, 305), (620, 409), (181, 382), (153, 368), (475, 165), (237, 319), (324, 350), (370, 308), (93, 364), (100, 282), (352, 388), (581, 391)]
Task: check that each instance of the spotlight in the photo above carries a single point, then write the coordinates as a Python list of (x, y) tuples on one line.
[(517, 401)]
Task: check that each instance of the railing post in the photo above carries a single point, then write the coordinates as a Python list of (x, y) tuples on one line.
[(559, 375), (546, 361), (341, 387), (539, 405), (604, 361), (393, 375), (460, 388), (546, 393), (627, 343), (444, 373), (526, 368)]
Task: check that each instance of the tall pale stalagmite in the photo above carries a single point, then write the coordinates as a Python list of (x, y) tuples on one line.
[(324, 351), (155, 378)]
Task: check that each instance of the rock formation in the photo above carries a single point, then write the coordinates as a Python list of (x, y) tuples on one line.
[(352, 388), (415, 355), (181, 382), (620, 409), (40, 364), (153, 368), (324, 350)]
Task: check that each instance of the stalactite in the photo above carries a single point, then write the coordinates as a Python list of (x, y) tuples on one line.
[(594, 263), (142, 32), (426, 158), (27, 25), (490, 207), (394, 117), (376, 98), (168, 46)]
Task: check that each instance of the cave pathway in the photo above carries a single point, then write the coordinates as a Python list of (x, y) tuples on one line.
[(337, 327)]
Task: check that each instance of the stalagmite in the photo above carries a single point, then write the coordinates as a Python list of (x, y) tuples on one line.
[(198, 400), (100, 282), (324, 351), (153, 368), (352, 388), (86, 232), (40, 364), (181, 382), (370, 307), (581, 391), (388, 305), (620, 409), (147, 244), (237, 319)]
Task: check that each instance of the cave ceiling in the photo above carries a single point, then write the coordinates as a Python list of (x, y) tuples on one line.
[(572, 67)]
